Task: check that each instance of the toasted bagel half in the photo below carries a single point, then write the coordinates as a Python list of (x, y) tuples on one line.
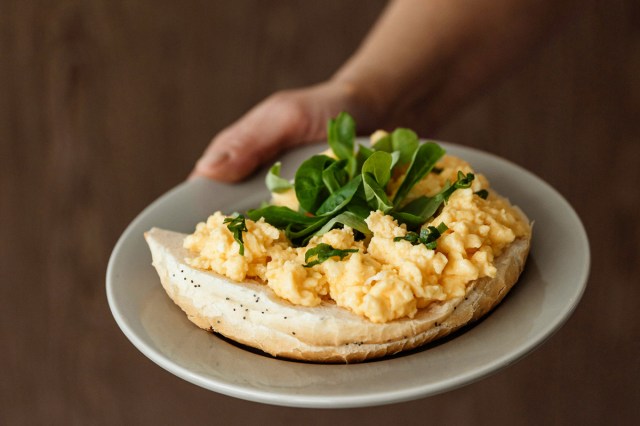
[(252, 314)]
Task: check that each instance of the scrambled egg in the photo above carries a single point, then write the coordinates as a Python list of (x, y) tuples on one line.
[(385, 279)]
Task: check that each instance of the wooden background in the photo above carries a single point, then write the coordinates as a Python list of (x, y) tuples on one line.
[(106, 104)]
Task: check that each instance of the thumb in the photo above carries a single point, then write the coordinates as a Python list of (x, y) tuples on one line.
[(279, 122), (283, 120)]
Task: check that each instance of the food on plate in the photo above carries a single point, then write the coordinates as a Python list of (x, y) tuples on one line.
[(366, 252)]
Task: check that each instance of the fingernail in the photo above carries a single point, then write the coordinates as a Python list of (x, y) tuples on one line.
[(208, 164)]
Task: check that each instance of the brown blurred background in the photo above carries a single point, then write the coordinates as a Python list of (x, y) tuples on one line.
[(105, 105)]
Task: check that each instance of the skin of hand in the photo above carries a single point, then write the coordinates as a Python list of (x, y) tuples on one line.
[(422, 60), (283, 120)]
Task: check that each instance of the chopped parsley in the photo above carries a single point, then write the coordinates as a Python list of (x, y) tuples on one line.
[(483, 193), (237, 226), (323, 252), (427, 236)]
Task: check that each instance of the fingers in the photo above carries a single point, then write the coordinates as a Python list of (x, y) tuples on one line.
[(279, 122)]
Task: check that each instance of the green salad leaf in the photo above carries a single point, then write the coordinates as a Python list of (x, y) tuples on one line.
[(402, 141), (309, 185), (376, 172), (274, 182), (300, 236), (341, 134), (347, 218), (297, 225), (280, 216), (335, 176), (342, 192), (374, 192), (363, 153), (383, 144), (405, 142), (340, 198), (422, 161), (379, 165), (422, 208)]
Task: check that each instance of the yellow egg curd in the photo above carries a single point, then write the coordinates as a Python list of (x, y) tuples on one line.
[(385, 279)]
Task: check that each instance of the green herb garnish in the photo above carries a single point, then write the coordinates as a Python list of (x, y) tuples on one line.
[(323, 252), (428, 236), (237, 226), (483, 193), (342, 191)]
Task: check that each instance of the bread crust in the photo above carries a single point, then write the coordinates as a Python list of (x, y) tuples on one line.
[(252, 314)]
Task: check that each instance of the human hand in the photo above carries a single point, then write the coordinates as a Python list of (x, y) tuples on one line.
[(420, 63), (283, 120)]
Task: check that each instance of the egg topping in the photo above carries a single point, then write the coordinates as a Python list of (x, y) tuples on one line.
[(387, 277)]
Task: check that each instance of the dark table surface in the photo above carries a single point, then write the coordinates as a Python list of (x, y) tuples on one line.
[(105, 105)]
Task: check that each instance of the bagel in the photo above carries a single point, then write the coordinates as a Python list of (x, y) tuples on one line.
[(367, 252), (252, 314)]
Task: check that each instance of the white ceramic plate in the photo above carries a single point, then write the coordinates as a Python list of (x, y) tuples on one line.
[(545, 296)]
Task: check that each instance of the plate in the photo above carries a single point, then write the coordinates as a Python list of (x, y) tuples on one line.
[(545, 296)]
